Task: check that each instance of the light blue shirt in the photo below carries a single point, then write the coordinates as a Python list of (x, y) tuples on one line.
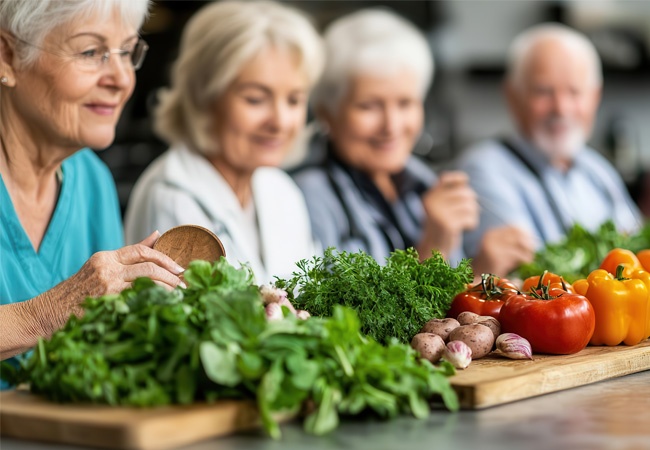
[(509, 193), (86, 220)]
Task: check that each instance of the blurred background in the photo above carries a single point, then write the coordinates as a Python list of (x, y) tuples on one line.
[(469, 40)]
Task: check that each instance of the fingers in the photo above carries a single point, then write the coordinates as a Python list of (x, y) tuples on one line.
[(519, 238), (452, 179), (509, 245), (153, 271), (139, 253), (452, 206), (150, 240)]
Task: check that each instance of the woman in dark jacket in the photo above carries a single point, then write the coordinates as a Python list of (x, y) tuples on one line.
[(364, 188)]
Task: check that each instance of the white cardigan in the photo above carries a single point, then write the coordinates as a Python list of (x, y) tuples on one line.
[(182, 187)]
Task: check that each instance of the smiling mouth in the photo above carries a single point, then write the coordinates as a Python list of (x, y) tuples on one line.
[(386, 145), (270, 143), (102, 110)]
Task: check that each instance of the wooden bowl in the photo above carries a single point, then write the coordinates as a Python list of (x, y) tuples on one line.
[(186, 243)]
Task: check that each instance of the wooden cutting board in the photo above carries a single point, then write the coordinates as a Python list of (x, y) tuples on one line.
[(26, 416), (494, 380), (486, 382)]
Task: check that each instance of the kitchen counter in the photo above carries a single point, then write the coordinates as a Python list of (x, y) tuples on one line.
[(613, 414)]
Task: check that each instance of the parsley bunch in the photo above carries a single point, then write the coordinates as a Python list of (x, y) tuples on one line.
[(150, 347), (393, 300)]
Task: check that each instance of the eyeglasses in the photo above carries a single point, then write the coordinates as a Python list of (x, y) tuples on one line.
[(99, 56)]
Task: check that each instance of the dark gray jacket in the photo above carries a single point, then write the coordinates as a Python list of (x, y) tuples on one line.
[(347, 210)]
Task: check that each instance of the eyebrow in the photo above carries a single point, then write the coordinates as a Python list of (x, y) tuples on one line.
[(99, 36), (254, 85)]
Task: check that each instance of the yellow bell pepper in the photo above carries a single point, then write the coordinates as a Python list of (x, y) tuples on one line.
[(622, 305)]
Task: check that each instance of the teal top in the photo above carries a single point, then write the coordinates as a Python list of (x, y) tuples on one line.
[(86, 220)]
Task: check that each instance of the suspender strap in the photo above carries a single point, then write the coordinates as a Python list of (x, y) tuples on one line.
[(559, 217)]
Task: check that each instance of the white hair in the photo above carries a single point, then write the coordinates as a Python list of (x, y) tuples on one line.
[(32, 20), (216, 44), (372, 41), (520, 49)]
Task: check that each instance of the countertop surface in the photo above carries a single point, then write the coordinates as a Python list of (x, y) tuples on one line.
[(612, 415)]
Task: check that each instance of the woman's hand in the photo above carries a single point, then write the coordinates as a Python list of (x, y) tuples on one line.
[(502, 250), (109, 272), (112, 271), (451, 207)]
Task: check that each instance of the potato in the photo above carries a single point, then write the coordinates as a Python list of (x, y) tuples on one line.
[(429, 345), (478, 337), (467, 317), (441, 327), (492, 323)]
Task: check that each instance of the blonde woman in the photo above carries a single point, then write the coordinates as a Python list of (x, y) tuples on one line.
[(237, 102)]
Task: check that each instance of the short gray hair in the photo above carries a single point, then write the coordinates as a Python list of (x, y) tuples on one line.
[(32, 20), (522, 45), (216, 44), (374, 41)]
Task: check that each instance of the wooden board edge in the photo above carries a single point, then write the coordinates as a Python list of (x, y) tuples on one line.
[(545, 381), (146, 432)]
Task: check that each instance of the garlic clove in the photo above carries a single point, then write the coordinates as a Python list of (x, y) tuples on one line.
[(458, 354), (513, 346), (302, 314), (274, 312), (272, 294)]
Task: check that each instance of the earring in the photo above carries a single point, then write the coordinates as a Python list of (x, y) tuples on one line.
[(4, 80)]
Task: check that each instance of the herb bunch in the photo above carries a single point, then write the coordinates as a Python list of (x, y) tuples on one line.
[(393, 300), (581, 251), (150, 347)]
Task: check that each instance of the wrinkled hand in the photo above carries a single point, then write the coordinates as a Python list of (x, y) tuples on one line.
[(503, 249), (110, 272), (451, 207)]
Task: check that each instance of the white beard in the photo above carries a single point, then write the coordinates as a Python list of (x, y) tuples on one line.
[(560, 146)]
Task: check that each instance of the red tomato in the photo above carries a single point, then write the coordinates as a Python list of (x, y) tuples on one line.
[(561, 324), (485, 298)]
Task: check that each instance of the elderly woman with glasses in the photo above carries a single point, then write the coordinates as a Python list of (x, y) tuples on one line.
[(66, 70), (364, 188), (238, 100)]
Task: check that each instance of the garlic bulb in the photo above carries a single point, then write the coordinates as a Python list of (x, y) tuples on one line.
[(274, 312), (513, 346), (271, 294), (458, 354)]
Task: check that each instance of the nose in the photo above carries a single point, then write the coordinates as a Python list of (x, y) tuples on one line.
[(391, 120), (562, 103), (118, 72), (281, 116)]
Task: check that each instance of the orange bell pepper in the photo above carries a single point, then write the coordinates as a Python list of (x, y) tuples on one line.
[(621, 304), (619, 256), (644, 258)]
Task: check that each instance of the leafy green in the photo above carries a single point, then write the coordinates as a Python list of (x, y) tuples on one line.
[(148, 347), (581, 251), (393, 300)]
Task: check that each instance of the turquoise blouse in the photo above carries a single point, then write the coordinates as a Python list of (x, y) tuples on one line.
[(86, 220)]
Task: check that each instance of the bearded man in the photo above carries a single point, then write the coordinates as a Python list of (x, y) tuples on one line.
[(545, 178)]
